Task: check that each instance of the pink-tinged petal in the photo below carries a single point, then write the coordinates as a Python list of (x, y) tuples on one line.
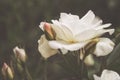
[(67, 46), (44, 48), (7, 72), (104, 47), (20, 53)]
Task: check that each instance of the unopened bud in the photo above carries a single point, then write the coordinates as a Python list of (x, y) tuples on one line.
[(7, 72), (89, 61), (87, 55), (20, 54), (49, 32), (87, 58)]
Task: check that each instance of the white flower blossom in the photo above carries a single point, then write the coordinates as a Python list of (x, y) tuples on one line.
[(73, 33), (108, 75)]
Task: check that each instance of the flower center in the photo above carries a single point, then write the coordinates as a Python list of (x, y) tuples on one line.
[(72, 41)]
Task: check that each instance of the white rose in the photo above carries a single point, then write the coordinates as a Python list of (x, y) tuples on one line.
[(73, 33)]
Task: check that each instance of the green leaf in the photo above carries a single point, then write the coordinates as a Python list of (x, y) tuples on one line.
[(114, 57)]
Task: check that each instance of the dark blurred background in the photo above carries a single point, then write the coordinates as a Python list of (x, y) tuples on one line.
[(20, 19)]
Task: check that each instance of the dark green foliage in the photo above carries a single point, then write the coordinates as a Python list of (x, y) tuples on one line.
[(19, 26)]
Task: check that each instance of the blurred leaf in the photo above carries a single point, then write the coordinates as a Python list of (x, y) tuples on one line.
[(117, 38), (114, 57)]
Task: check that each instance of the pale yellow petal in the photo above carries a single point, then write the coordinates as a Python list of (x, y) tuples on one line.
[(89, 61), (44, 48)]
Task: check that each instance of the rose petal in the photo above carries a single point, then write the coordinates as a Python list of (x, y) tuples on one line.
[(44, 48), (103, 26), (92, 33), (88, 18), (62, 32), (67, 46), (109, 75), (104, 47)]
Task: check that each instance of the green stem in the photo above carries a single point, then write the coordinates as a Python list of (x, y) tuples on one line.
[(82, 69), (82, 62), (78, 57), (27, 73), (63, 57), (45, 71), (103, 65)]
